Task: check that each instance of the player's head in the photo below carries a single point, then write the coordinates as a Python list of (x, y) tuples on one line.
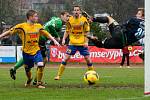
[(76, 11), (32, 16), (64, 16), (140, 13)]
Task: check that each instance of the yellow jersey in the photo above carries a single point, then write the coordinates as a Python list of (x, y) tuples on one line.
[(77, 28), (29, 34)]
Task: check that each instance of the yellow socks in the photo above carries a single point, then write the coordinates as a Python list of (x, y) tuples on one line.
[(40, 73), (61, 70), (90, 68)]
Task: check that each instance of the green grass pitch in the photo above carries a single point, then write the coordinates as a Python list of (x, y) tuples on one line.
[(114, 84)]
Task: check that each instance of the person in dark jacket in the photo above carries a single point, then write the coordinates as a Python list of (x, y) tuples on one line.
[(126, 53), (121, 35)]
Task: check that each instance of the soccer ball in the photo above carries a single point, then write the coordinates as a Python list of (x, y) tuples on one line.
[(91, 77)]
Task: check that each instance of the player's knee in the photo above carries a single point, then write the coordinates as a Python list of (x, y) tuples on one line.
[(88, 60), (89, 64), (64, 63), (40, 64), (27, 68), (66, 59)]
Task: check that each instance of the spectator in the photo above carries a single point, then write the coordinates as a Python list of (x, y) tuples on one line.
[(125, 52)]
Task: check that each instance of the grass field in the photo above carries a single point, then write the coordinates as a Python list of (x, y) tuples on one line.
[(115, 84)]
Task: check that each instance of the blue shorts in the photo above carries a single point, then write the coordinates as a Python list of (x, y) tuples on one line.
[(29, 60), (72, 50)]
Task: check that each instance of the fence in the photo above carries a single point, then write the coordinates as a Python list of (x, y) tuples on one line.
[(9, 54)]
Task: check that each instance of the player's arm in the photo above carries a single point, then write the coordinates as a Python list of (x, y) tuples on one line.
[(64, 37), (13, 30), (5, 34), (49, 36), (68, 28), (98, 43), (86, 28), (94, 39)]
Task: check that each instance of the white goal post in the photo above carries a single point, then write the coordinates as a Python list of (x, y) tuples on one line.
[(147, 48)]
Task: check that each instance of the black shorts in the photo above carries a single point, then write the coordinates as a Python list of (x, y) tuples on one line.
[(117, 39), (43, 48), (43, 51)]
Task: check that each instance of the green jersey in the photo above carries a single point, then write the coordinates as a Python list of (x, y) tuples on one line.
[(53, 27)]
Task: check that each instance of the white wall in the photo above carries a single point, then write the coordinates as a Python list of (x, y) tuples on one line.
[(7, 54)]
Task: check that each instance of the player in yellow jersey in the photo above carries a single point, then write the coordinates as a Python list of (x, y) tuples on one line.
[(76, 28), (29, 32)]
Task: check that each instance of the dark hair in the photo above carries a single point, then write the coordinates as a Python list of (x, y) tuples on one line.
[(77, 6), (30, 13), (63, 12), (142, 10)]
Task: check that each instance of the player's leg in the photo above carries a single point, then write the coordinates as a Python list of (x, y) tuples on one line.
[(40, 69), (70, 51), (18, 64), (84, 51), (89, 63), (62, 66), (141, 55), (35, 79), (122, 61), (117, 40), (28, 64), (128, 60), (14, 68), (44, 55), (29, 75)]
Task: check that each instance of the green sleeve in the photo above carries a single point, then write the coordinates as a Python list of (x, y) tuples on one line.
[(43, 38), (52, 31)]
